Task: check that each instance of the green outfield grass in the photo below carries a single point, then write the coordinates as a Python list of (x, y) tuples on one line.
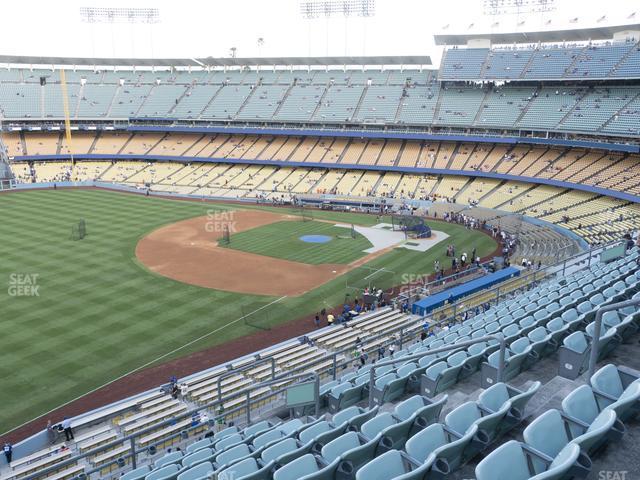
[(98, 314), (282, 240)]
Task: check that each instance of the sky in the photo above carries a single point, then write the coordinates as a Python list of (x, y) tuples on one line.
[(201, 28)]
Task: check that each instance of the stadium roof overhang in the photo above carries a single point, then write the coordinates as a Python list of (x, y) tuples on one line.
[(543, 36), (218, 62)]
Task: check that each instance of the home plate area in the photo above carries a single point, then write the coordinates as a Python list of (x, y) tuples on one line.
[(382, 236)]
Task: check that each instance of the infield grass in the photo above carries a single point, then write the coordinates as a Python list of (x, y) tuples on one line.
[(98, 314), (282, 240)]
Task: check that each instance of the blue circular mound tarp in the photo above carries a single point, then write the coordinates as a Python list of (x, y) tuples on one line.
[(316, 238)]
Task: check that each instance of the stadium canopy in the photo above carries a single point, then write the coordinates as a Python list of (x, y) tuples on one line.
[(542, 36), (217, 62)]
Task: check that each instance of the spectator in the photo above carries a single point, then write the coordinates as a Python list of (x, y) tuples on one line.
[(380, 352), (330, 319), (174, 391), (392, 349), (220, 419), (8, 451), (51, 433), (66, 426), (316, 321), (204, 417), (363, 357), (184, 390)]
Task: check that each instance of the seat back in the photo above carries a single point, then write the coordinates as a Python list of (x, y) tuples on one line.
[(313, 431), (202, 470), (494, 397), (169, 471), (425, 442), (335, 448), (462, 418), (233, 453), (607, 380), (257, 428), (197, 457), (547, 433), (169, 458), (404, 410), (297, 469), (581, 404), (137, 474), (372, 427), (274, 451), (435, 370), (507, 462), (576, 342), (388, 465)]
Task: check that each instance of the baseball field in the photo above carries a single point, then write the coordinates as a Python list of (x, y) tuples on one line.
[(151, 282)]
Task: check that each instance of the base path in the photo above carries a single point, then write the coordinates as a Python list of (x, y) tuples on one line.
[(188, 251)]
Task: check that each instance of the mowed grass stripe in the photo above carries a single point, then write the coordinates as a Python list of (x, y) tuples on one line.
[(282, 240), (100, 314)]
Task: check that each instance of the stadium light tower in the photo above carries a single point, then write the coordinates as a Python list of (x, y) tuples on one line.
[(313, 9), (517, 7), (112, 16), (119, 15)]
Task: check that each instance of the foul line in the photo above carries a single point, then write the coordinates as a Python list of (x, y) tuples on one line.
[(376, 272), (147, 364)]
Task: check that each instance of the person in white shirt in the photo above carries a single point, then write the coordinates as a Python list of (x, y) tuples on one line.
[(66, 426), (184, 390)]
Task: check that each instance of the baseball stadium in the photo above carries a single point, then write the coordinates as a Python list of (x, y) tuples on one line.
[(392, 240)]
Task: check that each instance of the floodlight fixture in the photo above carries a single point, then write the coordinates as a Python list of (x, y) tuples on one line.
[(119, 15), (311, 9), (519, 7)]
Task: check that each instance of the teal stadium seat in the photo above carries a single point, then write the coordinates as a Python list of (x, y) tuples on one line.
[(447, 446), (509, 462), (169, 472), (552, 431), (496, 397), (169, 458), (202, 471), (137, 474), (247, 469), (393, 465), (611, 384)]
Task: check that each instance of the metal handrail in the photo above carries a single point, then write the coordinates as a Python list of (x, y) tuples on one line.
[(286, 375), (595, 344), (454, 346), (132, 438), (252, 365)]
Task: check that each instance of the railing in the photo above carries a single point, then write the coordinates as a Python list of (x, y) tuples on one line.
[(454, 346), (595, 344), (251, 366), (304, 370), (133, 453)]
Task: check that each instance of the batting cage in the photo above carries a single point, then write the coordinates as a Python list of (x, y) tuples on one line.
[(226, 236), (305, 214), (412, 226), (79, 230), (258, 314)]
